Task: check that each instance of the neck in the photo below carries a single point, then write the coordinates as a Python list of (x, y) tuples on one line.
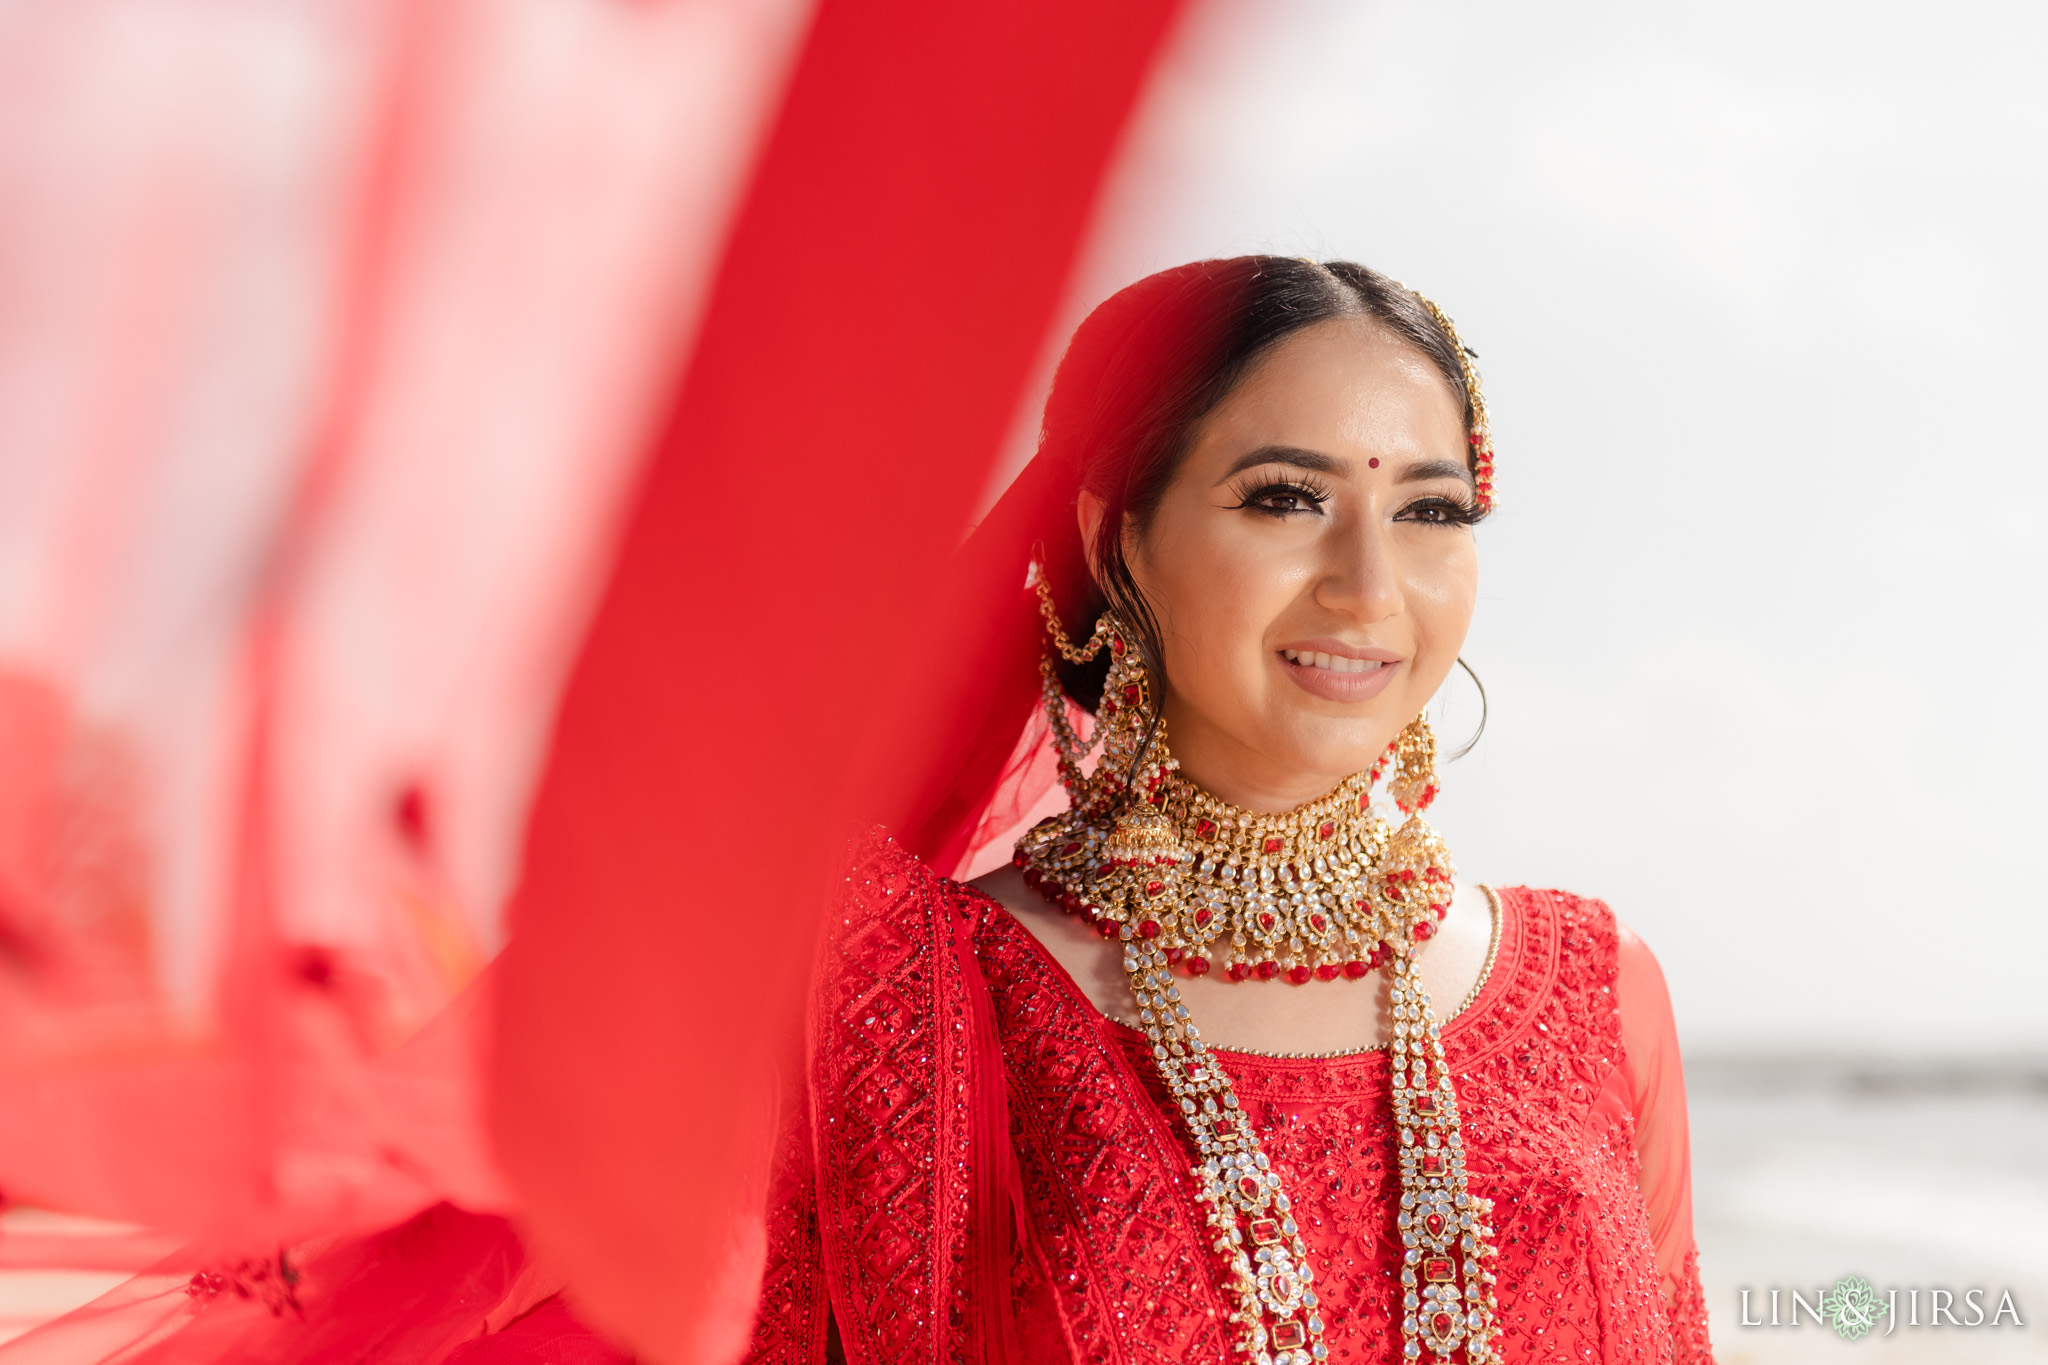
[(1231, 772)]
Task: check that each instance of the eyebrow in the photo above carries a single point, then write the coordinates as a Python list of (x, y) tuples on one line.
[(1437, 469), (1418, 472), (1293, 455)]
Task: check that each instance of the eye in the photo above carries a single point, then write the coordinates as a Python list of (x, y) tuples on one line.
[(1440, 511), (1281, 497)]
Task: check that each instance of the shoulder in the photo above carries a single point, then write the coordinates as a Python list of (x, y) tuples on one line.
[(1588, 930), (1549, 902), (883, 878), (1574, 926)]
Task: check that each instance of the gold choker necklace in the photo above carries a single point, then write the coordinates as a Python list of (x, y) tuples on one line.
[(1320, 891), (1312, 894)]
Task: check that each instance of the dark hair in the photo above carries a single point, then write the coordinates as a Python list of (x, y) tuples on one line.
[(1146, 367)]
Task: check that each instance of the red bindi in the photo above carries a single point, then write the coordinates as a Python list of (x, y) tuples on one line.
[(1373, 463)]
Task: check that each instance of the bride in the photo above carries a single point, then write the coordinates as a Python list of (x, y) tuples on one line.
[(1226, 1064)]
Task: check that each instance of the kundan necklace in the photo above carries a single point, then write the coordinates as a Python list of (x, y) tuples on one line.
[(1180, 879)]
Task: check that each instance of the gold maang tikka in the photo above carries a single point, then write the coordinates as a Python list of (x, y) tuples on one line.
[(1160, 865)]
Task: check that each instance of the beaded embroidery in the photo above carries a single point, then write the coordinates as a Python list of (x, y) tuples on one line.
[(1322, 888)]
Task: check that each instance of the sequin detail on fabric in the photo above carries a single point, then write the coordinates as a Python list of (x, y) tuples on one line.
[(1578, 1277), (1687, 1309), (889, 1081), (1115, 1265), (789, 1325)]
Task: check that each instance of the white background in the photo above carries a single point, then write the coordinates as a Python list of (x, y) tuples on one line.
[(1758, 294)]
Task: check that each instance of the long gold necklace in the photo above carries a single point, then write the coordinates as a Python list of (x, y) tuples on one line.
[(1155, 862)]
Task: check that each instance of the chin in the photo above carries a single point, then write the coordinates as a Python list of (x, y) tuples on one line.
[(1337, 751)]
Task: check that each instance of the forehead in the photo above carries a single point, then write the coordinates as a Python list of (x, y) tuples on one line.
[(1343, 386)]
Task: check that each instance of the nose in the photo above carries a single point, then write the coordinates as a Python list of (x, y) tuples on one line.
[(1360, 575)]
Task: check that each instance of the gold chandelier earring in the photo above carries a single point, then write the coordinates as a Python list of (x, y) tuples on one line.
[(1129, 787), (1417, 872)]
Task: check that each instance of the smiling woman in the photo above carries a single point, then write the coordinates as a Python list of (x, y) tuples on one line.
[(1226, 1064)]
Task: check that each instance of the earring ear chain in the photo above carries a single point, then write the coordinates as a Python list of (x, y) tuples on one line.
[(1178, 876)]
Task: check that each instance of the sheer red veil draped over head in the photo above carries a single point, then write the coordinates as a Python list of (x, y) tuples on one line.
[(1134, 382)]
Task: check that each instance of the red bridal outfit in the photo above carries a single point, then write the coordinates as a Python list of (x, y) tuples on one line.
[(1564, 1061)]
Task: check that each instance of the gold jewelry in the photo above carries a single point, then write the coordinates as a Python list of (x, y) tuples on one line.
[(1481, 434), (1156, 862)]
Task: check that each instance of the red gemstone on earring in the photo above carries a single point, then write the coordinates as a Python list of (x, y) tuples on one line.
[(1423, 929), (1274, 843), (1204, 828), (1116, 645), (1355, 969), (1070, 849), (1149, 929), (1298, 975), (1131, 693), (1327, 971), (1268, 970), (1197, 966), (1106, 927)]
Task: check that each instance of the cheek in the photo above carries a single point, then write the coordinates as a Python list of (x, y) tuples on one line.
[(1441, 589), (1217, 590)]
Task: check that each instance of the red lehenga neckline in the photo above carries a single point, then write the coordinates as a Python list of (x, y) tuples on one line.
[(1365, 1069), (937, 1019)]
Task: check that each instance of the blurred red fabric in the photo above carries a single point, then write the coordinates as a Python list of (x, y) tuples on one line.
[(333, 336), (330, 336), (788, 647)]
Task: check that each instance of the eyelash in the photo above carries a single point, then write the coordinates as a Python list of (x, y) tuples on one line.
[(1454, 512), (1250, 495), (1447, 511)]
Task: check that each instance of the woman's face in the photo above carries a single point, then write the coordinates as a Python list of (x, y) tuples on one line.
[(1311, 565)]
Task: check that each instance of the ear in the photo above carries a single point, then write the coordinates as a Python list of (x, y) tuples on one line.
[(1089, 510)]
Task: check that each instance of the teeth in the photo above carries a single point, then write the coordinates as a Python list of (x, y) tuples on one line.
[(1335, 663)]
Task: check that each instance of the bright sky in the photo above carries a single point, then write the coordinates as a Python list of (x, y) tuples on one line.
[(1758, 291)]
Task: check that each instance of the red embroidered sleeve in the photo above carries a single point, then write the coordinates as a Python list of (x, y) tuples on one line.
[(1687, 1306), (789, 1328), (1656, 1085), (890, 1116)]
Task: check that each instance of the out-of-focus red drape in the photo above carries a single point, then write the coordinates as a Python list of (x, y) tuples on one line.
[(760, 674), (353, 355), (330, 334)]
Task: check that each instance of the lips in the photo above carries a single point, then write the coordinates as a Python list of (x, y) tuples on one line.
[(1338, 674), (1335, 663)]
